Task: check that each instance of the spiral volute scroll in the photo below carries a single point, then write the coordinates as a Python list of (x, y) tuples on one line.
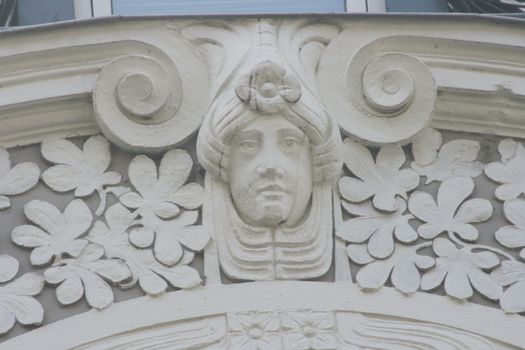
[(379, 98), (139, 104)]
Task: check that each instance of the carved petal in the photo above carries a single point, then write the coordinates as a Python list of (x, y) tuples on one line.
[(8, 267), (513, 299), (7, 320), (189, 196), (457, 283), (484, 284), (77, 217), (167, 248), (358, 253), (19, 179), (511, 273), (515, 212), (426, 145), (174, 169), (142, 237), (359, 229), (45, 215), (359, 160), (381, 243), (30, 236), (166, 210), (142, 174), (355, 190), (180, 276), (499, 172), (29, 284), (131, 200), (152, 284), (474, 210), (507, 149), (423, 206), (435, 277), (452, 193), (403, 231), (389, 159)]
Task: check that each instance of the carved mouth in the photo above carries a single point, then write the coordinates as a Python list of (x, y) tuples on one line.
[(272, 191)]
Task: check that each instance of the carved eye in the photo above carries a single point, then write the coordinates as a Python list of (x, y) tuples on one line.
[(290, 144), (249, 146)]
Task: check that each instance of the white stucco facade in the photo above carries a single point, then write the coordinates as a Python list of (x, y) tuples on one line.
[(274, 182)]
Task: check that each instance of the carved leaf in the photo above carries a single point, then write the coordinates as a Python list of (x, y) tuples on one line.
[(513, 236), (56, 233), (85, 276), (148, 272), (158, 203), (308, 330), (383, 180), (19, 179), (510, 172), (455, 159), (449, 214), (81, 170), (511, 273), (16, 297), (402, 268), (461, 268), (377, 228), (426, 145)]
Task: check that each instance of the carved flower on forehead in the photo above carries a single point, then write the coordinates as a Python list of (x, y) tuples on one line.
[(254, 331), (268, 88), (382, 179), (306, 330), (461, 268)]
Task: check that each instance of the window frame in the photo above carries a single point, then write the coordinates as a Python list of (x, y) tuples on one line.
[(101, 8)]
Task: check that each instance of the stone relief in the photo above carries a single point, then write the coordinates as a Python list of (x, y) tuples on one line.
[(300, 330), (285, 196), (272, 161)]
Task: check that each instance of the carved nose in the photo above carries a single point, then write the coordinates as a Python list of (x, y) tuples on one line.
[(270, 172)]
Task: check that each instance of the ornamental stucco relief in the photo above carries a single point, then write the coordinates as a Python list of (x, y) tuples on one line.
[(277, 153)]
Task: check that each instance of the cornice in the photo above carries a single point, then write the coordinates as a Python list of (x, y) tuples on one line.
[(473, 59)]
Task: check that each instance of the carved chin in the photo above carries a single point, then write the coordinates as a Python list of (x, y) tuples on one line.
[(272, 214)]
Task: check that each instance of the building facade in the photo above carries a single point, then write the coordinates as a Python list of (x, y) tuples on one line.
[(263, 182)]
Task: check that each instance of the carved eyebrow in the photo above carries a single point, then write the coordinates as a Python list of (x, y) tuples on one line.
[(291, 132), (249, 134)]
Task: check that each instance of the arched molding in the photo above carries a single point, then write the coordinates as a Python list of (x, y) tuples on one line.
[(128, 320)]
